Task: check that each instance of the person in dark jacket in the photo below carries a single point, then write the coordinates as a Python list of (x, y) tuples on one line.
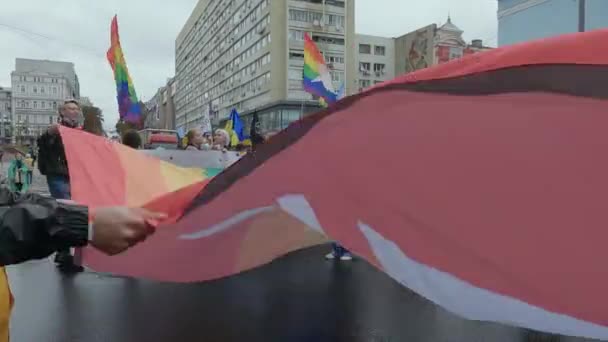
[(53, 164), (34, 227)]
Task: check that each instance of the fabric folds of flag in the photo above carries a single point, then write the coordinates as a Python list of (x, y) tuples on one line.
[(490, 204), (317, 79), (128, 104)]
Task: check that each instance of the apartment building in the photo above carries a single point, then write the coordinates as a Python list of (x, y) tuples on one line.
[(39, 88), (5, 114), (375, 60), (161, 108), (381, 59), (249, 55)]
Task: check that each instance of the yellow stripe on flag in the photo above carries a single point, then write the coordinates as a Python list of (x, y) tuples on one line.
[(6, 303), (178, 177)]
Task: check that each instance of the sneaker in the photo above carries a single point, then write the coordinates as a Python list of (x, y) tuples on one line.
[(64, 257), (330, 256), (346, 257), (65, 263), (70, 268)]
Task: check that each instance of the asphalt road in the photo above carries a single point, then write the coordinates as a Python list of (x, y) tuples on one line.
[(300, 297)]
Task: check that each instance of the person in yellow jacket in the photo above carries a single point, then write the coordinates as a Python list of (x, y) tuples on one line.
[(29, 164)]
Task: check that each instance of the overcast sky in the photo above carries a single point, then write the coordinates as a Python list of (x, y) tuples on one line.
[(78, 31)]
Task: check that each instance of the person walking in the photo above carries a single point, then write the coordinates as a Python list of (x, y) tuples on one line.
[(29, 164), (17, 174), (53, 164), (196, 141)]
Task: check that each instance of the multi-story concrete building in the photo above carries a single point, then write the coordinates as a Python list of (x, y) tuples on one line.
[(382, 59), (249, 55), (5, 114), (375, 60), (523, 20), (161, 108), (39, 88)]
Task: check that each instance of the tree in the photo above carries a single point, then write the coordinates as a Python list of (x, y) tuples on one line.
[(93, 120)]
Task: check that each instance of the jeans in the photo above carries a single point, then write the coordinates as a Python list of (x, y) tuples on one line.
[(59, 186), (30, 176)]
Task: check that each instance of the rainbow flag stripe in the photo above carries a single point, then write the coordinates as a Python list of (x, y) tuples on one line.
[(128, 104), (317, 79), (135, 179)]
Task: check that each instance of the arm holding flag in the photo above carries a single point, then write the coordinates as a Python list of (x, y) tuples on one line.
[(34, 227)]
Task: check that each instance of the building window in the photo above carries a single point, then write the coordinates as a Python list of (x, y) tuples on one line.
[(51, 119), (365, 49), (364, 67), (334, 59), (54, 90), (23, 89), (296, 55), (35, 90), (336, 76), (295, 74), (364, 84), (42, 104), (296, 35), (334, 20), (379, 50), (54, 105), (379, 68), (35, 104), (41, 90), (22, 104)]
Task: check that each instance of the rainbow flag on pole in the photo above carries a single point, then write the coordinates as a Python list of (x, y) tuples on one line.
[(317, 79), (128, 104)]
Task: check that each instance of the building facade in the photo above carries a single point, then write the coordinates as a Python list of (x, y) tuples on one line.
[(5, 114), (161, 108), (249, 55), (524, 20), (381, 59), (375, 60), (432, 45), (39, 89)]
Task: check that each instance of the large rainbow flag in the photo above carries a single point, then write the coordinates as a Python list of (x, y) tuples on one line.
[(485, 195), (317, 79), (128, 104)]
